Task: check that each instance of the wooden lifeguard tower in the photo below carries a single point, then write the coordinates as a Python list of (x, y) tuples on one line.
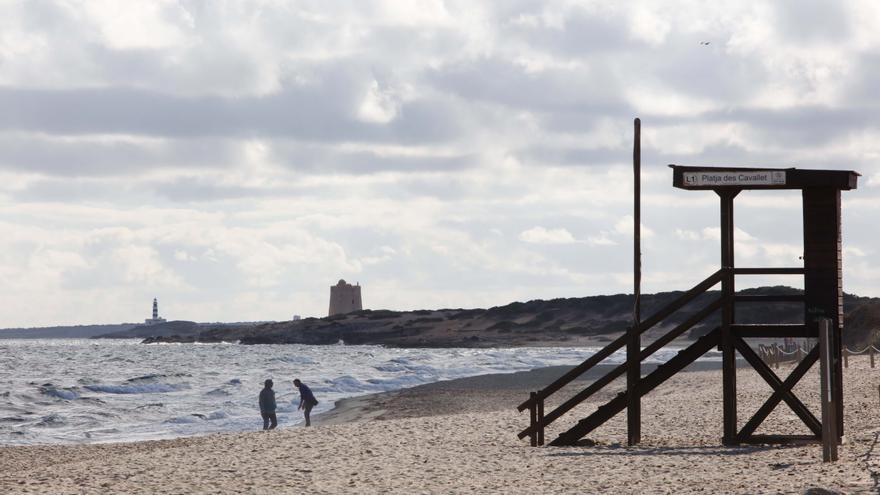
[(822, 297)]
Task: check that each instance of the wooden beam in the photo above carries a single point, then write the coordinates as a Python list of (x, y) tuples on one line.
[(768, 271), (826, 384), (728, 290), (793, 402), (772, 331), (774, 400)]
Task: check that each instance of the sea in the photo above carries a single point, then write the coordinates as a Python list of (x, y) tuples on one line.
[(66, 391)]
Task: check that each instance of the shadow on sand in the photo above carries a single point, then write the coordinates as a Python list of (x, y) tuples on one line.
[(622, 450)]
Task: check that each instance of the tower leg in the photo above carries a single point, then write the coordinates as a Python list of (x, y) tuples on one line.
[(728, 353)]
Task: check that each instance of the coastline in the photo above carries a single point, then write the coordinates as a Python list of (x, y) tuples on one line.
[(460, 437)]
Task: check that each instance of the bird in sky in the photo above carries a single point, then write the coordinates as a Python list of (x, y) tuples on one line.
[(704, 43)]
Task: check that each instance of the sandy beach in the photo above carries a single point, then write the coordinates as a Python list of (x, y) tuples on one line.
[(460, 437)]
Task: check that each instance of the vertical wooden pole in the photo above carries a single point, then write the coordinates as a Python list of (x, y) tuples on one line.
[(728, 355), (871, 353), (540, 422), (533, 419), (633, 346), (826, 380), (845, 357)]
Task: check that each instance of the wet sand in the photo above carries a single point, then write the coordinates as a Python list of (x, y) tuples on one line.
[(460, 437)]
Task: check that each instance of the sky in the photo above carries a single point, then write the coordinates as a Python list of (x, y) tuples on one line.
[(235, 159)]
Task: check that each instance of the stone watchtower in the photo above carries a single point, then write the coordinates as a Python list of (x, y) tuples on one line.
[(345, 298)]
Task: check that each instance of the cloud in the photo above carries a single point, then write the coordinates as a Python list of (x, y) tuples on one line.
[(236, 158), (541, 235)]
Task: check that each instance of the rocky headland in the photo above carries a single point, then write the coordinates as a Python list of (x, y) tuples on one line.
[(569, 321)]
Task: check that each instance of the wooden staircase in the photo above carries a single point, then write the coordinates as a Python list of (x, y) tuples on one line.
[(663, 372), (535, 403)]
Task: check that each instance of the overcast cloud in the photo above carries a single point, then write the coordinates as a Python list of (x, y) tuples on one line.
[(235, 159)]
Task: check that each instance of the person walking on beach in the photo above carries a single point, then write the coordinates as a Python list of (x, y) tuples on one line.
[(267, 406), (307, 399)]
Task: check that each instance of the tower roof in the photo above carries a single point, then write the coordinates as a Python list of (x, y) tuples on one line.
[(686, 177)]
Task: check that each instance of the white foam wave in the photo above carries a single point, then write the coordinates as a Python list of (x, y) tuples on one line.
[(147, 388)]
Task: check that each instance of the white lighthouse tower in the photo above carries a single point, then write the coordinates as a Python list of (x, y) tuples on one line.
[(155, 319)]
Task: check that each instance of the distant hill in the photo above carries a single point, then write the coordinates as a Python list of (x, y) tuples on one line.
[(118, 331), (569, 321), (177, 328), (68, 332)]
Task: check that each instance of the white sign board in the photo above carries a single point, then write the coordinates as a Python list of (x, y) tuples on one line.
[(735, 178)]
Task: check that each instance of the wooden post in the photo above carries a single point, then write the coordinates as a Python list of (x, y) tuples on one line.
[(826, 381), (845, 357), (633, 345), (533, 419), (871, 353), (541, 422), (728, 353), (823, 276)]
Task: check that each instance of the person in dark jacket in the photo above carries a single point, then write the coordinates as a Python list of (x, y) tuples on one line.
[(306, 399), (267, 406)]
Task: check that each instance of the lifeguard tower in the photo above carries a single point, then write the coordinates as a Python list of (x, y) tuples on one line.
[(822, 297)]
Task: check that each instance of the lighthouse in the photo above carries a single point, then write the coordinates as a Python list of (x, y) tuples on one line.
[(155, 319)]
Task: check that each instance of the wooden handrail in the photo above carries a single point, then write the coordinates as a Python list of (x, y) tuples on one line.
[(606, 351)]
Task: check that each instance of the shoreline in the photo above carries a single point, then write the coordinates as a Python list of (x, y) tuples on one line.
[(387, 405)]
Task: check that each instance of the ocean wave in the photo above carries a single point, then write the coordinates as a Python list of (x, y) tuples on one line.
[(397, 383), (197, 417), (216, 415), (65, 394), (183, 420), (294, 360), (156, 376), (51, 421), (146, 388), (345, 384)]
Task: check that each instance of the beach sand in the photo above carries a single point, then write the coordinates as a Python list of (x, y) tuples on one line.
[(460, 437)]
